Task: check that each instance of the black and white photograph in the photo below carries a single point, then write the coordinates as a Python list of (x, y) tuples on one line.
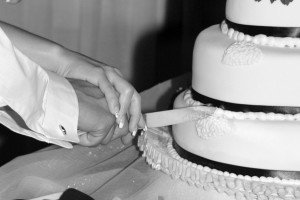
[(149, 99)]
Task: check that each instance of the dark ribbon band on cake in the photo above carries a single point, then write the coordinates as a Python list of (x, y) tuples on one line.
[(238, 170), (243, 107), (251, 30)]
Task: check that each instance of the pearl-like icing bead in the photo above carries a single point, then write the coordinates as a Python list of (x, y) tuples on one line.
[(235, 35), (230, 33), (248, 38), (260, 39), (224, 28), (255, 178), (256, 40), (226, 174), (233, 175), (241, 36), (248, 178), (206, 169)]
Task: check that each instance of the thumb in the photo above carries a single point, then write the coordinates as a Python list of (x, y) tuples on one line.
[(91, 139), (94, 138)]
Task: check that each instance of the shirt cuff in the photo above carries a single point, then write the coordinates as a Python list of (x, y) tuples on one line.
[(17, 125), (61, 110)]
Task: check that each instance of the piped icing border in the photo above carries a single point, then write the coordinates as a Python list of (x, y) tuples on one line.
[(243, 115), (260, 39), (159, 153)]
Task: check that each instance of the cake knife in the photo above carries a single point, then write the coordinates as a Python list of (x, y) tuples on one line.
[(174, 116), (177, 116)]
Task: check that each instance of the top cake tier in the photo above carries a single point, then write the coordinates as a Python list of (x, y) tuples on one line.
[(275, 13)]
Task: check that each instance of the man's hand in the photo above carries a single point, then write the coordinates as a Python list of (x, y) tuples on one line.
[(94, 116)]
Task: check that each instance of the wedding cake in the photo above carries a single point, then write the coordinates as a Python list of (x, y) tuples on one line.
[(248, 69)]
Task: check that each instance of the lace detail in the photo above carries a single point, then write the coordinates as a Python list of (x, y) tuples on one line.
[(212, 126), (241, 54)]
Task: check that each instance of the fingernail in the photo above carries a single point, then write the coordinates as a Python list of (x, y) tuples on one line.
[(134, 133), (121, 123), (117, 115), (145, 128)]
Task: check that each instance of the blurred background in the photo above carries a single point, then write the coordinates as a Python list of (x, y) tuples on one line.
[(148, 40)]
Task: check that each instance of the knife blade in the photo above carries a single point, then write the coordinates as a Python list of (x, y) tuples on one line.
[(174, 116), (177, 116)]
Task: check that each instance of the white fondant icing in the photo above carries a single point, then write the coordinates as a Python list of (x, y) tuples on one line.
[(273, 81), (256, 142), (241, 54)]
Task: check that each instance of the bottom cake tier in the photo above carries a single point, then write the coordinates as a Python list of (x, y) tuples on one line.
[(210, 183)]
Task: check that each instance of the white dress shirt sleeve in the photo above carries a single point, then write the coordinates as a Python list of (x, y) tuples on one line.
[(35, 102)]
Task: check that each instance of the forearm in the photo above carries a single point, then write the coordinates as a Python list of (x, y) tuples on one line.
[(46, 53), (41, 50), (38, 96)]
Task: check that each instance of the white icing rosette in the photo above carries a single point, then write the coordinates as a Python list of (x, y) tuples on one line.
[(242, 53), (212, 126)]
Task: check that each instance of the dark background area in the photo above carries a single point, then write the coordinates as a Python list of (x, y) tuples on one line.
[(175, 41), (185, 19)]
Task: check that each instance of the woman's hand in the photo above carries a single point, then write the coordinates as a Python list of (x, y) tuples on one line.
[(121, 96)]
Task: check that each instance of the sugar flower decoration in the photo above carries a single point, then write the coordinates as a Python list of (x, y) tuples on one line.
[(242, 54)]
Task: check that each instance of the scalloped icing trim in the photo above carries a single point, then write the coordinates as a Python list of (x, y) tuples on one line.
[(260, 39), (243, 115), (161, 155)]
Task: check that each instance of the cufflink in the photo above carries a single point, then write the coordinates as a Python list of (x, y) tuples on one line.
[(62, 129)]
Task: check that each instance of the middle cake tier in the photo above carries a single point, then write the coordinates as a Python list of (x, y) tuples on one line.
[(255, 140), (243, 72)]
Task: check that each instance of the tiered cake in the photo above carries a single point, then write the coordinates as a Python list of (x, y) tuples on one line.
[(254, 81), (248, 68)]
